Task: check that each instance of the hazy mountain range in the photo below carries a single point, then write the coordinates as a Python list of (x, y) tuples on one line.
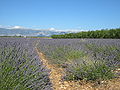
[(30, 32)]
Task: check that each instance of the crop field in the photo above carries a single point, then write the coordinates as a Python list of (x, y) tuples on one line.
[(20, 66), (93, 60), (41, 63)]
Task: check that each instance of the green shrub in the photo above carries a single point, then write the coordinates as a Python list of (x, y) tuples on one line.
[(104, 33), (89, 70), (62, 55)]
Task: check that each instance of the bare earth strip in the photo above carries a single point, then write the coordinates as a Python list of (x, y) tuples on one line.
[(56, 74)]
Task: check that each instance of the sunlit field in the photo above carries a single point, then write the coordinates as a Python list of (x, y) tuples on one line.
[(20, 66), (89, 60)]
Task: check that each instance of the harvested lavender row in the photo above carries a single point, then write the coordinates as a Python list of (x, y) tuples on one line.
[(20, 66)]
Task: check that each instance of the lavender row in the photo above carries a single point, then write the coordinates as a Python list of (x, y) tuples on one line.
[(75, 54), (20, 65)]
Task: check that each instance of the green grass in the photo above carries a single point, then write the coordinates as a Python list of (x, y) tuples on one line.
[(74, 54), (61, 56)]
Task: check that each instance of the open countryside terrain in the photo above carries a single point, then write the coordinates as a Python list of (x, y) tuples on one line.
[(59, 64), (59, 44)]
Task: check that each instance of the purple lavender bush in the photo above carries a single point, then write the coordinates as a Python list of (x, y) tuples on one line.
[(20, 66), (89, 59)]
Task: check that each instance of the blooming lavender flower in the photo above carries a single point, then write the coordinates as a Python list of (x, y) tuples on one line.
[(20, 66)]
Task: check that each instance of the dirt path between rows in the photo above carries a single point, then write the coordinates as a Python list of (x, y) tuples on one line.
[(56, 74)]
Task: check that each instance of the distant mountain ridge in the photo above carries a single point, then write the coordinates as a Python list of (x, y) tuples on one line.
[(30, 32)]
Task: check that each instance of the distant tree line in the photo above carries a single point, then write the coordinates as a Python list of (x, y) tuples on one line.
[(104, 33)]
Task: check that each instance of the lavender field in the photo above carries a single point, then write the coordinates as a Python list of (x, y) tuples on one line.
[(82, 59), (89, 59), (20, 66)]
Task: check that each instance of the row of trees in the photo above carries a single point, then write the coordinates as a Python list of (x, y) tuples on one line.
[(104, 33)]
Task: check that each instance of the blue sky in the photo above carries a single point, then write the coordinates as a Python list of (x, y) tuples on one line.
[(61, 14)]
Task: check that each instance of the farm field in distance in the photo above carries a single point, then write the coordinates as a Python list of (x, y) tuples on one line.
[(59, 64)]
